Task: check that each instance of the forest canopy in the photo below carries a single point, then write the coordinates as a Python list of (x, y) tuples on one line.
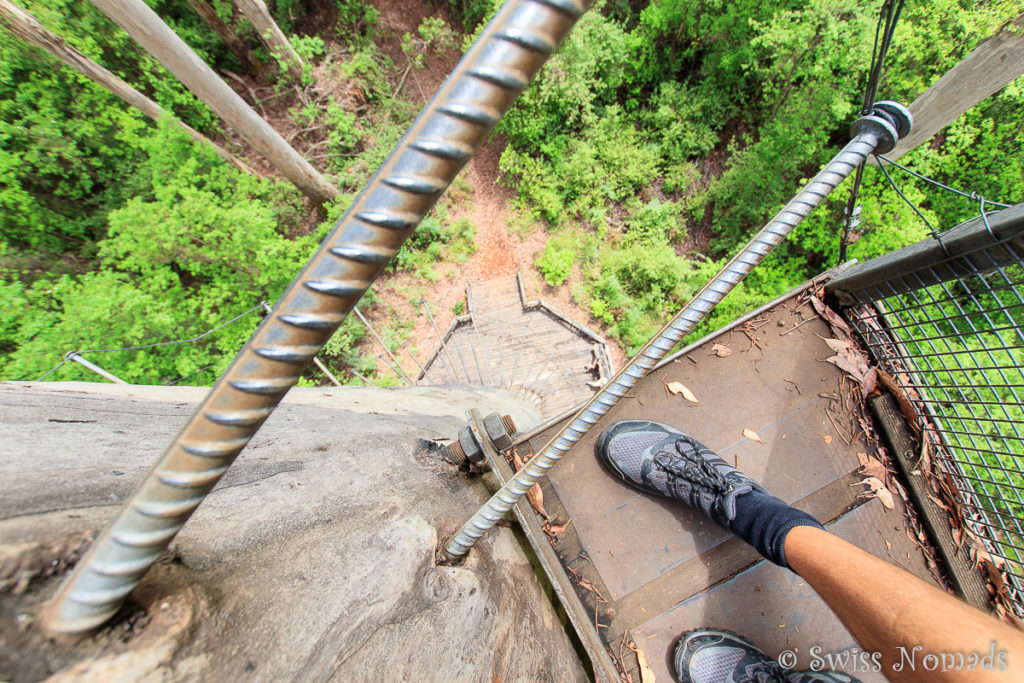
[(655, 142)]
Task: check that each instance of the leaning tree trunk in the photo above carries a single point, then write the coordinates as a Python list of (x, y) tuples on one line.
[(27, 27), (227, 34), (143, 24), (256, 12)]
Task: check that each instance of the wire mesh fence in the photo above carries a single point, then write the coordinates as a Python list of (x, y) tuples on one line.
[(943, 321)]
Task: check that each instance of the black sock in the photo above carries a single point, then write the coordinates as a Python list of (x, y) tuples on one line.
[(762, 520)]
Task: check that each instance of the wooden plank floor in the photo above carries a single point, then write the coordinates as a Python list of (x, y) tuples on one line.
[(661, 569), (527, 350)]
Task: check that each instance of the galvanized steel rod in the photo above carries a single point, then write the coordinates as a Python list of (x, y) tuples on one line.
[(323, 369), (75, 358), (458, 119), (443, 355), (870, 133), (395, 364)]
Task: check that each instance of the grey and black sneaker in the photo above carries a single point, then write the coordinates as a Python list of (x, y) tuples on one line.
[(660, 459), (712, 656)]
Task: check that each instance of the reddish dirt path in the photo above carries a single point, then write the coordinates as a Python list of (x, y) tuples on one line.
[(489, 207), (497, 254)]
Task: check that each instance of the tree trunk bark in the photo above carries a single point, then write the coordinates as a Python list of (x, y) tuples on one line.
[(256, 12), (143, 24), (227, 34), (27, 27)]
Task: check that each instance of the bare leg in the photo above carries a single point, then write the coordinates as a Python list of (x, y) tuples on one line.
[(887, 608)]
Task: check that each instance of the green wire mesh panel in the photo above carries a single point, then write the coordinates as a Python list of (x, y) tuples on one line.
[(948, 331)]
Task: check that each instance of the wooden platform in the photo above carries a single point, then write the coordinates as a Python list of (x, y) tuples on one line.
[(527, 347), (657, 568)]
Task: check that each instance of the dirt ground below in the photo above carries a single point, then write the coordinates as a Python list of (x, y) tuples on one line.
[(500, 252)]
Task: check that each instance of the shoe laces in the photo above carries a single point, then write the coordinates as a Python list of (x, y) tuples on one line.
[(695, 470), (765, 672)]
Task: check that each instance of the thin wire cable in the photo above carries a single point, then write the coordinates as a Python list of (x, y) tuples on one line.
[(887, 18), (935, 233), (931, 181), (973, 196), (53, 369), (69, 354)]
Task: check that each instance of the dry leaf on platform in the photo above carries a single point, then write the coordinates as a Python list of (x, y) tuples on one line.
[(853, 362), (838, 345), (903, 399), (752, 435), (555, 529), (721, 350), (838, 324), (879, 491), (534, 495), (871, 466), (646, 672), (680, 389), (885, 495), (869, 385)]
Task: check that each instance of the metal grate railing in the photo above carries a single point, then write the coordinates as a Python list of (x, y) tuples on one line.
[(943, 319)]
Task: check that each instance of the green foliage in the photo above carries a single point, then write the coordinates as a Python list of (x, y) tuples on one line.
[(309, 48), (558, 258), (655, 223), (637, 286), (357, 22), (472, 12), (681, 121), (654, 133), (199, 243), (435, 239), (66, 144), (608, 163), (585, 74)]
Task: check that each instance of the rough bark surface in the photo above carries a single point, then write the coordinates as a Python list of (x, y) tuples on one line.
[(157, 38), (227, 34), (270, 33), (27, 27), (313, 558)]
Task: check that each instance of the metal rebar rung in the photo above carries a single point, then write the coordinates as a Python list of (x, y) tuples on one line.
[(459, 118), (870, 132)]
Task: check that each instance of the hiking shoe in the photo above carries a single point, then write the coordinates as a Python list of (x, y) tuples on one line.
[(711, 656), (660, 459)]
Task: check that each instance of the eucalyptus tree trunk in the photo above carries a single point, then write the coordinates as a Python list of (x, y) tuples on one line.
[(157, 38), (227, 34), (271, 35), (27, 27)]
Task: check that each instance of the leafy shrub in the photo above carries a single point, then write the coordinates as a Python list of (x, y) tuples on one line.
[(679, 119), (556, 263), (655, 223), (203, 243)]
